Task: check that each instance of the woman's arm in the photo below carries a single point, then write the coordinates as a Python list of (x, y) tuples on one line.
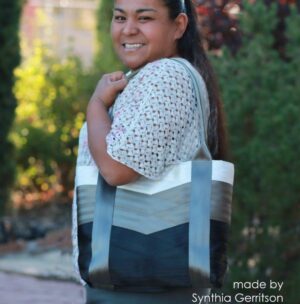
[(99, 125)]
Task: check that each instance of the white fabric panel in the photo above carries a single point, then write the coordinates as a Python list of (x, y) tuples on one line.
[(86, 175), (222, 171), (178, 175)]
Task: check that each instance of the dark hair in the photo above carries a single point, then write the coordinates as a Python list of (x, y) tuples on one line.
[(190, 47)]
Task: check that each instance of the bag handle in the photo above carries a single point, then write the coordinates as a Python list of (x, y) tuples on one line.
[(202, 98), (199, 220)]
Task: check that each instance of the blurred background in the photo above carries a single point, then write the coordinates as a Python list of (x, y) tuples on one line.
[(53, 52)]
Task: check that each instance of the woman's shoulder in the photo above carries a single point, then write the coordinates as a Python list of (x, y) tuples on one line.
[(165, 68)]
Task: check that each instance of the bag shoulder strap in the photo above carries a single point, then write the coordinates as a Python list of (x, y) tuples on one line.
[(202, 99)]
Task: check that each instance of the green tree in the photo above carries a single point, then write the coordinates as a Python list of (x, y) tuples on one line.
[(106, 59), (261, 95), (9, 59), (52, 97)]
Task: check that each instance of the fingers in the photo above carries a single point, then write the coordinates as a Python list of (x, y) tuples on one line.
[(116, 76), (109, 86), (117, 80), (120, 84)]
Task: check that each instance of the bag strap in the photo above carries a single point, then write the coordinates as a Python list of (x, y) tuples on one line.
[(130, 74), (202, 99), (199, 220)]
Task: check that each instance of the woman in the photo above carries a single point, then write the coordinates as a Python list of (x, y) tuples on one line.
[(153, 123)]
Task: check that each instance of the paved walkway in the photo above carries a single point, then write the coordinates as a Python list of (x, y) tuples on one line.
[(49, 265), (20, 289), (39, 278), (40, 271)]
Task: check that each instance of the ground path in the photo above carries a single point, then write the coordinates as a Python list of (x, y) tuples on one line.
[(22, 289)]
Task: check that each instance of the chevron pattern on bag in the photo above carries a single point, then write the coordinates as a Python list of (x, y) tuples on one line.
[(160, 211), (156, 259), (149, 235)]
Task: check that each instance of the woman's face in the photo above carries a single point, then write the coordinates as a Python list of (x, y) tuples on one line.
[(143, 32)]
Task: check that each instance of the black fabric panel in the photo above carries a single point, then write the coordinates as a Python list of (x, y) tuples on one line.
[(219, 233), (85, 249), (157, 259)]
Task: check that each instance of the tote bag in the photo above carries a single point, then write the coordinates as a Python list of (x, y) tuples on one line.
[(156, 235)]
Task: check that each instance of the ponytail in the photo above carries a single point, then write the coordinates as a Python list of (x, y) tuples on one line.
[(190, 47)]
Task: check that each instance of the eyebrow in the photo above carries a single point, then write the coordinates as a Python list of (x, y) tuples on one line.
[(140, 10)]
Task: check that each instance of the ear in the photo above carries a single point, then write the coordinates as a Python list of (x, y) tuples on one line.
[(181, 22)]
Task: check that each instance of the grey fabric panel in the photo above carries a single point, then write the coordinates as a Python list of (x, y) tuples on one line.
[(132, 213), (86, 197), (151, 213), (221, 197), (199, 229), (102, 223)]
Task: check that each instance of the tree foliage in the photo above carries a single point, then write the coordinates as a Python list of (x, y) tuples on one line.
[(261, 94), (52, 97), (106, 60), (220, 22), (219, 25), (9, 59)]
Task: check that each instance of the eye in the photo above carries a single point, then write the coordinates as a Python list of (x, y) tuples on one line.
[(119, 18), (145, 18)]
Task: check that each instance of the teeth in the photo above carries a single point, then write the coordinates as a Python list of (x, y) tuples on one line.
[(133, 46)]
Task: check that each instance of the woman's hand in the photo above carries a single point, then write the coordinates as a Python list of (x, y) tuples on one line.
[(99, 125), (108, 87)]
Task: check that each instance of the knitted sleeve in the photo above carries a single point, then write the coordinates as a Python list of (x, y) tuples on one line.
[(163, 128)]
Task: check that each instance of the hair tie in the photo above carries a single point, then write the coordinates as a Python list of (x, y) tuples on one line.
[(183, 8)]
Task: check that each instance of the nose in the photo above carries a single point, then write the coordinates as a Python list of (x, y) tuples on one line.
[(130, 27)]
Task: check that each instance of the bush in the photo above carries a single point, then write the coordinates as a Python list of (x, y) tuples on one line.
[(261, 94), (52, 97)]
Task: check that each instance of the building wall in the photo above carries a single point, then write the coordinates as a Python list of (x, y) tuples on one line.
[(63, 25)]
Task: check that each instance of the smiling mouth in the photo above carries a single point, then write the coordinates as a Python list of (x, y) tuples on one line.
[(132, 46)]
